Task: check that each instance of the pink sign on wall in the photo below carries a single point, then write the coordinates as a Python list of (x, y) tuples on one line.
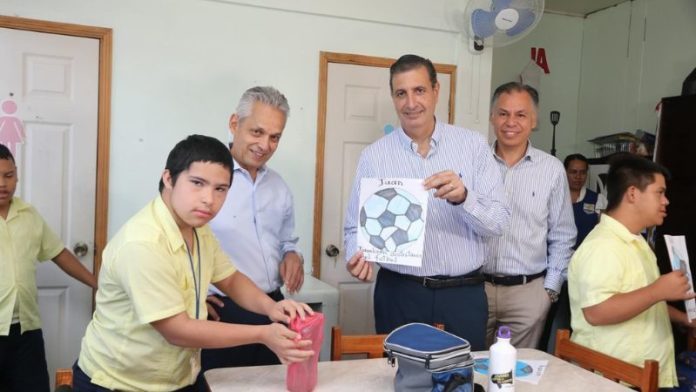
[(11, 127)]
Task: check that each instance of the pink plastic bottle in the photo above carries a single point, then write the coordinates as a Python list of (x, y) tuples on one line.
[(302, 376)]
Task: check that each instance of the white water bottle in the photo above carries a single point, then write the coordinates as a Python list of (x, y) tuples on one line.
[(501, 365)]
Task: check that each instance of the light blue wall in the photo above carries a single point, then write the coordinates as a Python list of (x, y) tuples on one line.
[(608, 71), (179, 66), (605, 75), (561, 37), (633, 55)]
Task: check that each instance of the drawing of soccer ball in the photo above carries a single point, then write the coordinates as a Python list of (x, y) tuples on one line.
[(391, 219)]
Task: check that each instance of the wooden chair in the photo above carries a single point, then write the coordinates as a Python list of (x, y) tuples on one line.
[(372, 345), (64, 379), (644, 378)]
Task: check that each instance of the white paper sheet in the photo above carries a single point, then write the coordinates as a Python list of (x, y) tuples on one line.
[(391, 221), (679, 259)]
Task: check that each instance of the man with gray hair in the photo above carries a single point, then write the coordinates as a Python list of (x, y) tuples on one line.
[(256, 224)]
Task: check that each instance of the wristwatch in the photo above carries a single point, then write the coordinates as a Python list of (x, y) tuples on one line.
[(553, 296)]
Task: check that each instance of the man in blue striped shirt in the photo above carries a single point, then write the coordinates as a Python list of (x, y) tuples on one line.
[(526, 266), (466, 204)]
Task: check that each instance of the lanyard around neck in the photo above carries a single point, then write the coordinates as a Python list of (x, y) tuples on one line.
[(196, 283)]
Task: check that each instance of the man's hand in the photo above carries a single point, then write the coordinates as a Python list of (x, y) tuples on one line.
[(553, 295), (287, 309), (292, 272), (359, 267), (448, 186), (285, 344), (212, 312), (673, 286)]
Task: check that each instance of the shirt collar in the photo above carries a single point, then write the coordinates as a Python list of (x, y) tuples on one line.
[(531, 154), (581, 196), (618, 229), (409, 144), (171, 229), (16, 205), (238, 168)]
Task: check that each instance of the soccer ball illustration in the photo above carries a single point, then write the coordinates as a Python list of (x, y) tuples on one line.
[(391, 219)]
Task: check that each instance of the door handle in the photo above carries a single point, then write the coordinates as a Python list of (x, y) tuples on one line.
[(80, 249), (332, 250)]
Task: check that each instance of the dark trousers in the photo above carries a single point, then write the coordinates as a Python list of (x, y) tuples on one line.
[(463, 310), (82, 383), (23, 361), (557, 318), (246, 355)]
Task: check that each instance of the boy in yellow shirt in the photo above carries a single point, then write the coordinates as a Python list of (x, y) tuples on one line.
[(150, 320), (25, 238), (617, 296)]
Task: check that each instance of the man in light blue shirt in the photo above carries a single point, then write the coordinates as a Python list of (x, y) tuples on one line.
[(256, 224), (526, 266), (466, 204)]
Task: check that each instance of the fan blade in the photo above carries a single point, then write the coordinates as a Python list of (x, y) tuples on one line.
[(483, 23), (526, 19), (499, 5)]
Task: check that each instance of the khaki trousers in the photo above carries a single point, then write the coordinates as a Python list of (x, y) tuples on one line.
[(523, 308)]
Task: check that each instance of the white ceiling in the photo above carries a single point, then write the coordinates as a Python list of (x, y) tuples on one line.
[(578, 7)]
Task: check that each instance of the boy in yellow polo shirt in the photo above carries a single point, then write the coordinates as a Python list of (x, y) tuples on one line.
[(25, 238), (150, 320), (617, 296)]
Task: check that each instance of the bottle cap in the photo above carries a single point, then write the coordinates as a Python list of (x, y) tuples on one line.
[(504, 332)]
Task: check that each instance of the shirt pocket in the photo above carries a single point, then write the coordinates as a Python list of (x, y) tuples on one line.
[(531, 206)]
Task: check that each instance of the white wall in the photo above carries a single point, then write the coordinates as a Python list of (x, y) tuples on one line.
[(609, 74), (633, 55), (608, 71), (179, 67), (561, 37)]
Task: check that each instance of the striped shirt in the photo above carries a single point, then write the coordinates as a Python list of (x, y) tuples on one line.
[(542, 228), (454, 234)]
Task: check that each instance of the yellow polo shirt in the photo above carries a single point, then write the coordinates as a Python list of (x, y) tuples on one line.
[(25, 238), (146, 276), (612, 260)]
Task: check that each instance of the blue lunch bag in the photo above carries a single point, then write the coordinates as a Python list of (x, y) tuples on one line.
[(429, 359)]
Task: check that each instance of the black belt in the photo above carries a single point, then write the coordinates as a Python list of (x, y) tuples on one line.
[(513, 280), (276, 295), (442, 281)]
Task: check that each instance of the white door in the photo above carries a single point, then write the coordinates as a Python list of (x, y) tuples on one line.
[(359, 110), (54, 80)]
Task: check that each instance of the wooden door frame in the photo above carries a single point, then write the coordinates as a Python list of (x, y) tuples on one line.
[(325, 58), (105, 37)]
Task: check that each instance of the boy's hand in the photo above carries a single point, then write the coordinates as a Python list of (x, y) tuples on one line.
[(285, 310), (673, 286), (282, 341)]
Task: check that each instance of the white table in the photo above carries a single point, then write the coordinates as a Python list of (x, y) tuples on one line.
[(365, 375)]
